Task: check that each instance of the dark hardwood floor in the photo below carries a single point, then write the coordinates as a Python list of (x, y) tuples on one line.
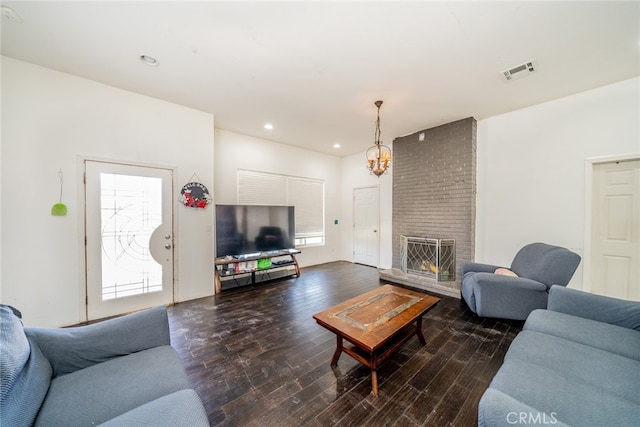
[(257, 358)]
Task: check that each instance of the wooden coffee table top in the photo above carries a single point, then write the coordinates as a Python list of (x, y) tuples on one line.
[(371, 319)]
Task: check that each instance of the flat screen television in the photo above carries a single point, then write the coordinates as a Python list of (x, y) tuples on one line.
[(249, 229)]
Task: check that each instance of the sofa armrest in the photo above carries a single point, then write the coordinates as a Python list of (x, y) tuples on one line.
[(506, 297), (500, 283), (476, 267), (71, 349), (596, 307)]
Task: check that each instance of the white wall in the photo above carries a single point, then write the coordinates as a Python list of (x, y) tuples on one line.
[(356, 175), (235, 151), (52, 120), (531, 178), (531, 168)]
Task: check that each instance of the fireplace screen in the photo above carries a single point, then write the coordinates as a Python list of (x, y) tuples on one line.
[(435, 258)]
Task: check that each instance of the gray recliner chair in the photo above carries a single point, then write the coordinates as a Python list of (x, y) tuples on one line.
[(517, 291)]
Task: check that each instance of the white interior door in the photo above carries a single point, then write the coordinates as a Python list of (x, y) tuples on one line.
[(616, 229), (129, 238), (366, 224)]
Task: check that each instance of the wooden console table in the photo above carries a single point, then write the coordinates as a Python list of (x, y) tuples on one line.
[(225, 261)]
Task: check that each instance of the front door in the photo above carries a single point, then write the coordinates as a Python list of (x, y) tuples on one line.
[(616, 229), (129, 238), (366, 214)]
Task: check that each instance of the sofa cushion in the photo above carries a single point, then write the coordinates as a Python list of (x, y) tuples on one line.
[(180, 409), (98, 393), (615, 339), (499, 409), (25, 374), (616, 374), (569, 399)]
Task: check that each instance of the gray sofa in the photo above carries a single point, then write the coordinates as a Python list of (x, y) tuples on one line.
[(577, 363), (535, 268), (118, 372)]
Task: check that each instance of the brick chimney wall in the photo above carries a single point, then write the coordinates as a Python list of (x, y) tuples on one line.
[(434, 186)]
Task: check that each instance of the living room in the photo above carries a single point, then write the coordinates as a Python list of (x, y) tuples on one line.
[(532, 180), (79, 119)]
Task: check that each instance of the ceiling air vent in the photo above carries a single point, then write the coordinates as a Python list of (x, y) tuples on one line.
[(519, 71)]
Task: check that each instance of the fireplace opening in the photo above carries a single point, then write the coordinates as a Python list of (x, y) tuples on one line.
[(433, 258)]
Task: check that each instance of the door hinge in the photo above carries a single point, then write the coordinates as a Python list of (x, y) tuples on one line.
[(84, 177), (85, 240), (86, 300)]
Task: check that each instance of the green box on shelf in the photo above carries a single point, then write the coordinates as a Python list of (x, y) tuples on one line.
[(264, 263)]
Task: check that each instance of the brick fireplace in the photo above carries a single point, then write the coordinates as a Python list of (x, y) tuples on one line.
[(434, 185)]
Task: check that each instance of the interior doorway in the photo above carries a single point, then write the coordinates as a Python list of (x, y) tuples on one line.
[(615, 229), (128, 238), (366, 224)]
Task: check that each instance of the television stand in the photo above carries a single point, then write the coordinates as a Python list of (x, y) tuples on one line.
[(249, 264)]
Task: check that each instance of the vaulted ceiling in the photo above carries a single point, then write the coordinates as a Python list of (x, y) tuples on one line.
[(315, 69)]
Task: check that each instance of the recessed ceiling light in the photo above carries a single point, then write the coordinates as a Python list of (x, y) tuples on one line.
[(11, 15), (336, 145), (149, 60), (268, 126)]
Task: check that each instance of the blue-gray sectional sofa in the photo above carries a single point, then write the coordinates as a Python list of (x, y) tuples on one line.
[(120, 372), (577, 363)]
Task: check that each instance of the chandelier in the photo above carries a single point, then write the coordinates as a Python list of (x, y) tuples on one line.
[(379, 155)]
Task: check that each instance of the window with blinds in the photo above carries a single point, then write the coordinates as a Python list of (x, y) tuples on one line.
[(305, 194)]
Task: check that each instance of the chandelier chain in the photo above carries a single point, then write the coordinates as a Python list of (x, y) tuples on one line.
[(378, 132), (379, 155)]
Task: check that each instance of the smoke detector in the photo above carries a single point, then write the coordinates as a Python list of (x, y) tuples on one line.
[(518, 71)]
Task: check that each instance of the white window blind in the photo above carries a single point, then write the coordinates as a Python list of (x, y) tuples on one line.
[(305, 194), (256, 188)]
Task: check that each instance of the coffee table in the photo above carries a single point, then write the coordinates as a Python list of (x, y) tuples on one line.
[(377, 324)]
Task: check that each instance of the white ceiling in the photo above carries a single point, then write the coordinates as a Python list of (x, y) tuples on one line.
[(314, 69)]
